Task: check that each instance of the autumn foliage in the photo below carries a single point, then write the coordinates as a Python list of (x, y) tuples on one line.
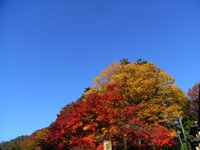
[(147, 86), (191, 109), (129, 104), (101, 117)]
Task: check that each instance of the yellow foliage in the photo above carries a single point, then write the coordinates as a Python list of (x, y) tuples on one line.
[(147, 86), (32, 142)]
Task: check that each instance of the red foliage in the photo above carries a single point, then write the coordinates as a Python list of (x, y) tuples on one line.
[(100, 117)]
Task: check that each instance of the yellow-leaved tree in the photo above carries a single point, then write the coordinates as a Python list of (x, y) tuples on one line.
[(33, 142), (145, 85)]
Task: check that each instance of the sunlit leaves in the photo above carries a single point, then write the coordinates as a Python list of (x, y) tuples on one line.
[(128, 104), (144, 85), (101, 117), (33, 142)]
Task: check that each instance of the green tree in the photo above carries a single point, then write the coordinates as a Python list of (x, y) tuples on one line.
[(124, 61), (140, 61)]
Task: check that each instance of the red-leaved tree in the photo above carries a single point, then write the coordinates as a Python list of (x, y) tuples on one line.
[(100, 117)]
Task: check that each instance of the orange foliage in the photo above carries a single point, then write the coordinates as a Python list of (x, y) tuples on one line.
[(101, 117)]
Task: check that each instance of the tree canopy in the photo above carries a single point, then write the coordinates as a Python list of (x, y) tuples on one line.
[(193, 103), (101, 117), (150, 88), (129, 104)]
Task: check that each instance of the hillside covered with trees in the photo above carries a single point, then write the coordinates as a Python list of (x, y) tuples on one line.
[(131, 104)]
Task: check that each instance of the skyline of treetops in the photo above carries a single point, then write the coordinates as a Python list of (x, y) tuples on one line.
[(133, 104)]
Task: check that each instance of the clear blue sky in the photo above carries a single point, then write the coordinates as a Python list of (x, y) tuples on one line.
[(51, 50)]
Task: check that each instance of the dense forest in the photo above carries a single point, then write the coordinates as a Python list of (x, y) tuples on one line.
[(132, 104)]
